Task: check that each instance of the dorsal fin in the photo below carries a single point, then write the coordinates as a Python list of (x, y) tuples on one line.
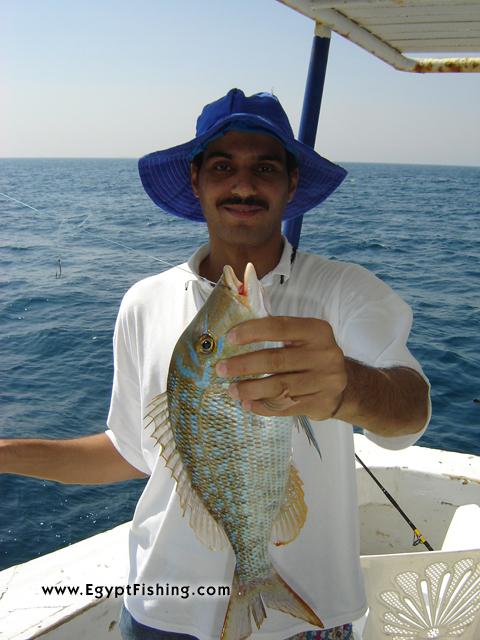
[(206, 528)]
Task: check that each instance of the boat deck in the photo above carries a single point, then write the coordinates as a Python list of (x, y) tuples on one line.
[(429, 484)]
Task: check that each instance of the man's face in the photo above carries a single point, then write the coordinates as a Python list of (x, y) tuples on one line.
[(243, 187)]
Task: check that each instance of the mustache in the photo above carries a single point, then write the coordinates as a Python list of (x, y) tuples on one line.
[(250, 201)]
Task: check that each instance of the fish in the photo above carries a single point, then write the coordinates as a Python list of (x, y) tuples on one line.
[(233, 468)]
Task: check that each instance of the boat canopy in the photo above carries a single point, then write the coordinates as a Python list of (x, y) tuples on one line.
[(392, 28)]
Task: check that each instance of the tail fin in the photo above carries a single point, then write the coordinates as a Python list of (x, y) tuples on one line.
[(251, 600)]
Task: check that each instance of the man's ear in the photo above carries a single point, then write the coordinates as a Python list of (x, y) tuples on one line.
[(292, 183), (194, 178)]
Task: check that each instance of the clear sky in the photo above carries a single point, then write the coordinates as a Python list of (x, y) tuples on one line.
[(121, 78)]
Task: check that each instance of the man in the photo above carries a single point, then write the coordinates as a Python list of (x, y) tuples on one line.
[(344, 362)]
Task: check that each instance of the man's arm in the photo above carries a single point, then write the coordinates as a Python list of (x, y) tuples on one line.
[(310, 376), (387, 402), (88, 460)]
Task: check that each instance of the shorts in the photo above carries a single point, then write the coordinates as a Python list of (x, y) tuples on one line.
[(130, 629), (344, 632)]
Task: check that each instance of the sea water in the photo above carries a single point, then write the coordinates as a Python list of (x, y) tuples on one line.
[(416, 227)]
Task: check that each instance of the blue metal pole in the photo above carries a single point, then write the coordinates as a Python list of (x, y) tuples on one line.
[(312, 101)]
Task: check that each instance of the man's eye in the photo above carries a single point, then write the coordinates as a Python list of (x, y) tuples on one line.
[(221, 166), (265, 168)]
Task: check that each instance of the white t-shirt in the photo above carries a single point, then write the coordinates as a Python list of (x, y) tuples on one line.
[(371, 324)]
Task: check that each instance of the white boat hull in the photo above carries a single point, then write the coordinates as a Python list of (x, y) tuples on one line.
[(429, 484)]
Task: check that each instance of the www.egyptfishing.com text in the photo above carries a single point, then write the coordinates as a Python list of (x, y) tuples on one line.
[(137, 589)]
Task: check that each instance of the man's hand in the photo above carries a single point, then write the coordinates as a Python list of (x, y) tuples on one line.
[(308, 375)]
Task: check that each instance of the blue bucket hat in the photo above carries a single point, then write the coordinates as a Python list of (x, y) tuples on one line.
[(165, 174)]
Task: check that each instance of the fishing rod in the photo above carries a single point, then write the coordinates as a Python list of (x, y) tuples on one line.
[(418, 536)]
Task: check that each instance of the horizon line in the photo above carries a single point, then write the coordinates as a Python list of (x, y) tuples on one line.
[(136, 158)]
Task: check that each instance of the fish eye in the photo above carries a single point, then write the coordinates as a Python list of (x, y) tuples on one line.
[(206, 343)]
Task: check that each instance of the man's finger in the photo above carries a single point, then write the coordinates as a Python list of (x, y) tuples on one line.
[(280, 329), (305, 406), (276, 360), (270, 387)]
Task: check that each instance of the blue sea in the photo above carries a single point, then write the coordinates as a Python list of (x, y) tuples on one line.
[(62, 279)]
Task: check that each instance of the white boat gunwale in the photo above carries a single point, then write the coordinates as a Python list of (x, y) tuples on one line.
[(102, 559)]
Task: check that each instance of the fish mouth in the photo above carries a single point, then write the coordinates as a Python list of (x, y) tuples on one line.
[(248, 292)]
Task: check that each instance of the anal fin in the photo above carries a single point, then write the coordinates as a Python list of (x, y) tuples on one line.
[(292, 513)]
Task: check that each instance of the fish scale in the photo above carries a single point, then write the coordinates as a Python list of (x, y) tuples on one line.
[(218, 465)]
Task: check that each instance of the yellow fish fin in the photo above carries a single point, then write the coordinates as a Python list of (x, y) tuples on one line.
[(252, 599), (237, 624), (156, 416), (293, 512), (205, 527)]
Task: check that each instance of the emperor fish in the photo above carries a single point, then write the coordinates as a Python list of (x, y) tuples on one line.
[(233, 468)]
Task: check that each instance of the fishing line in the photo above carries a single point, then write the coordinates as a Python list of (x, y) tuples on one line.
[(81, 227), (20, 202), (418, 536)]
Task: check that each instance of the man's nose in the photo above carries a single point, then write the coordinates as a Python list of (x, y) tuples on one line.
[(243, 184)]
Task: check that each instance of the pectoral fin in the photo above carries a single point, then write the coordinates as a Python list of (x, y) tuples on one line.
[(304, 423)]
